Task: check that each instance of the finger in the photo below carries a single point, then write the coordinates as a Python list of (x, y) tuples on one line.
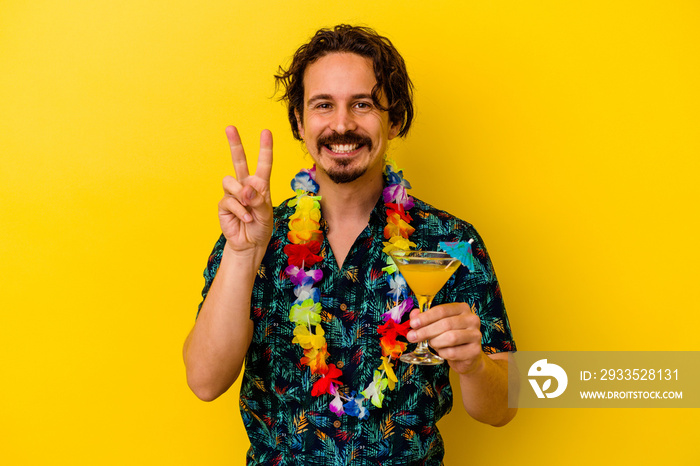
[(240, 164), (430, 331), (442, 326), (455, 338), (435, 314), (251, 195), (461, 358), (264, 168), (230, 204), (231, 186), (259, 187)]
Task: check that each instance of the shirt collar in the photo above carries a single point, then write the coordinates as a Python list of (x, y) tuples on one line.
[(377, 218)]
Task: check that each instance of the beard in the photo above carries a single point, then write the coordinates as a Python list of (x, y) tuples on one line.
[(341, 171)]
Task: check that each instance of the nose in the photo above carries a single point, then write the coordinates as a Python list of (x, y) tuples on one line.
[(343, 121)]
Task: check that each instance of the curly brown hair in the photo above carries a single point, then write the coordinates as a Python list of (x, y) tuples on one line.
[(389, 70)]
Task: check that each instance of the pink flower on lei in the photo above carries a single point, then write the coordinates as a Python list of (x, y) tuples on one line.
[(299, 276), (396, 313), (397, 194)]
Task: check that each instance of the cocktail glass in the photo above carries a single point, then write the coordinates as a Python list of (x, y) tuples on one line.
[(426, 272)]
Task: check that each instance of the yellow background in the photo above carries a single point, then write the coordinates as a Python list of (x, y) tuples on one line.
[(567, 132)]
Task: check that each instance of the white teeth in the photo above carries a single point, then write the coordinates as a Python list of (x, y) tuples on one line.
[(343, 148)]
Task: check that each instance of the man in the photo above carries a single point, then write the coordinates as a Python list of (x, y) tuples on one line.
[(307, 296)]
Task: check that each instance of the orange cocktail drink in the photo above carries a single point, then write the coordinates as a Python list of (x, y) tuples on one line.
[(426, 272), (427, 279)]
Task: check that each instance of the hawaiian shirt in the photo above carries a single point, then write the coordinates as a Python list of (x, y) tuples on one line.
[(285, 423)]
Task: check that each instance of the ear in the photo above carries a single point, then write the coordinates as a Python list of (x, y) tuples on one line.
[(394, 130), (300, 126)]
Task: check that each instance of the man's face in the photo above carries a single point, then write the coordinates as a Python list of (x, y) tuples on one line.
[(344, 132)]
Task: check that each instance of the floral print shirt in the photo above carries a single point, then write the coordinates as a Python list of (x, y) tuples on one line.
[(288, 426)]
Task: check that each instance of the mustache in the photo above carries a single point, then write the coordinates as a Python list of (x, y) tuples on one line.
[(349, 137)]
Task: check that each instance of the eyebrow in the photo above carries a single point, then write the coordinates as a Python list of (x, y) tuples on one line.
[(318, 97)]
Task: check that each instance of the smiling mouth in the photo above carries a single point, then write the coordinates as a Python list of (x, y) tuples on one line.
[(344, 144), (343, 148)]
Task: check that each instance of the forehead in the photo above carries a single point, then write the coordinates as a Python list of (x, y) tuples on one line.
[(339, 75)]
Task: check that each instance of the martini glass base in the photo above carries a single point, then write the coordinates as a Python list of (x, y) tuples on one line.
[(423, 359)]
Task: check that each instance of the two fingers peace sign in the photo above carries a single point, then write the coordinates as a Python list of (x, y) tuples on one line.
[(245, 211)]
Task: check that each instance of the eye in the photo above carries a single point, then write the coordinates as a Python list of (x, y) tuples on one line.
[(363, 105), (323, 106)]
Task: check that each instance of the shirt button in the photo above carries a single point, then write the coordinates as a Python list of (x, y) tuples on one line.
[(343, 307), (337, 424), (340, 364)]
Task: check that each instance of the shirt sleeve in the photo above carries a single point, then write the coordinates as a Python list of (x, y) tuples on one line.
[(480, 289), (212, 267)]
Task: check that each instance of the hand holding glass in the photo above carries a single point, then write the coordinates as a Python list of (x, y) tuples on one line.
[(426, 272)]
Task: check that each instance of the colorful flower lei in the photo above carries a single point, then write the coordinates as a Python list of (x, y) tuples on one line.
[(306, 237)]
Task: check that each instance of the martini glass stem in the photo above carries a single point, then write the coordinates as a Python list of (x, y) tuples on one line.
[(424, 303), (422, 354)]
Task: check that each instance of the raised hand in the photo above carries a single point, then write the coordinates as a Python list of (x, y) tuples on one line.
[(245, 211)]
